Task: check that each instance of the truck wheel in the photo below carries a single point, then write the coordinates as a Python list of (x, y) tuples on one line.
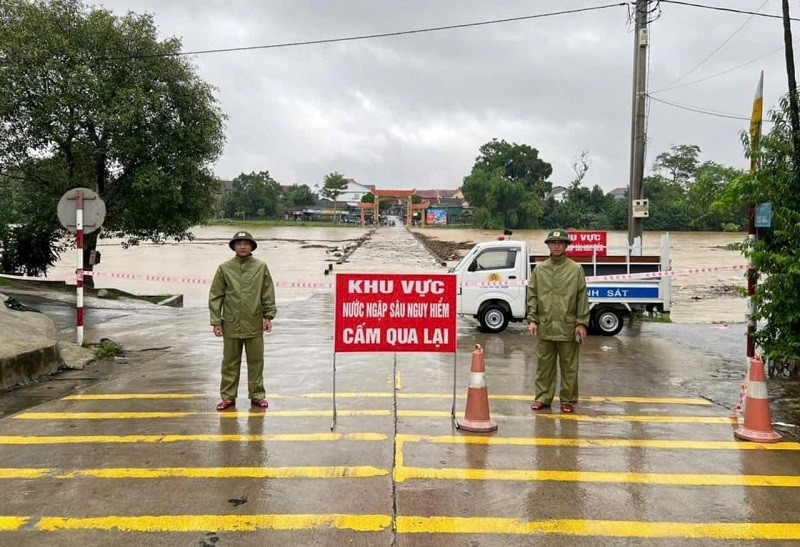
[(608, 321), (493, 318)]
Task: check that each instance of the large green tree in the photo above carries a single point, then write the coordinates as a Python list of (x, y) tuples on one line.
[(710, 181), (110, 107), (298, 196), (507, 185), (680, 163), (499, 202), (519, 163), (254, 195)]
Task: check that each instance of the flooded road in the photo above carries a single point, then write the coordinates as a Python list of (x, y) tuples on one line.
[(142, 457), (303, 254)]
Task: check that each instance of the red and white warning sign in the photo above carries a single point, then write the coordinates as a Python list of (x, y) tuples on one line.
[(587, 243), (395, 312)]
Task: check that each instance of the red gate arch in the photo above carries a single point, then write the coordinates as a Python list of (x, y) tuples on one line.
[(395, 194)]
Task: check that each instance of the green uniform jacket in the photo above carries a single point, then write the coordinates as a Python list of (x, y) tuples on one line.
[(242, 295), (557, 299)]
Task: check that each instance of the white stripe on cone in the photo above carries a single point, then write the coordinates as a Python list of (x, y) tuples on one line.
[(477, 380)]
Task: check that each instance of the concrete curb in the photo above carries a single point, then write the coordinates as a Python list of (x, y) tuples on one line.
[(25, 367)]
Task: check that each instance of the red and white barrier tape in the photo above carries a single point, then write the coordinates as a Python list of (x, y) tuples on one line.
[(316, 285), (670, 273), (742, 398)]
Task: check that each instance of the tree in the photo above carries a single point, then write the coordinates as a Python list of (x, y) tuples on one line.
[(666, 198), (112, 108), (709, 185), (518, 162), (254, 194), (775, 254), (298, 196), (507, 185), (499, 202), (680, 162), (334, 185)]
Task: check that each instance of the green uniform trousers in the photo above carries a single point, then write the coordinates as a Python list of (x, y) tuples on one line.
[(232, 365), (567, 354)]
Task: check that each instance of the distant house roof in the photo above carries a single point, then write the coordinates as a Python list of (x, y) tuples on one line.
[(438, 193), (393, 193), (556, 192), (367, 187), (619, 192), (447, 202)]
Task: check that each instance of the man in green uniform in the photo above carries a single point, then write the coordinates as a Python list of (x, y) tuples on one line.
[(558, 313), (242, 305)]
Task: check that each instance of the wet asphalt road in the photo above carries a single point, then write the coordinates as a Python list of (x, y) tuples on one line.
[(142, 457)]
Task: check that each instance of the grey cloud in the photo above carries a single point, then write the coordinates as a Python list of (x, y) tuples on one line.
[(412, 111)]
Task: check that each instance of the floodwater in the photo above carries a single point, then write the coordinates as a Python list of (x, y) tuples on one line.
[(303, 254)]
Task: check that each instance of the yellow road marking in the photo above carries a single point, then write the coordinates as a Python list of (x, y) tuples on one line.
[(599, 443), (332, 472), (420, 525), (52, 416), (398, 383), (529, 397), (11, 473), (650, 419), (146, 415), (124, 396), (220, 523), (681, 479), (602, 528), (99, 415), (299, 437), (8, 524)]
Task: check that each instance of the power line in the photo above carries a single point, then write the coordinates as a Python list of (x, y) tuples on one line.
[(371, 36), (728, 39), (737, 67), (700, 110), (731, 10)]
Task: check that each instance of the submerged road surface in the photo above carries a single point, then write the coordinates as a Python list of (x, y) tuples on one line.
[(142, 457)]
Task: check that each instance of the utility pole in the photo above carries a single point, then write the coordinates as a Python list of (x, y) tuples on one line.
[(794, 117), (638, 129)]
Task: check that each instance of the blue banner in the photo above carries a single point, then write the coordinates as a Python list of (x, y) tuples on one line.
[(622, 292), (763, 215)]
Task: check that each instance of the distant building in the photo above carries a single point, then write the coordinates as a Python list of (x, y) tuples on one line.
[(435, 195), (619, 193), (354, 192), (558, 193)]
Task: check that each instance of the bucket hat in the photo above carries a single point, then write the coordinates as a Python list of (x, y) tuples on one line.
[(244, 236), (557, 235)]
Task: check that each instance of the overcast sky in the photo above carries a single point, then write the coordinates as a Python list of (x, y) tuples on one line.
[(411, 111)]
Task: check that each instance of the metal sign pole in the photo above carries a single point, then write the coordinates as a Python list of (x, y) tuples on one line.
[(455, 370), (333, 424), (79, 270)]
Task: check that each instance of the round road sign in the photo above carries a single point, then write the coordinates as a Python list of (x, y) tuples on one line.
[(94, 210)]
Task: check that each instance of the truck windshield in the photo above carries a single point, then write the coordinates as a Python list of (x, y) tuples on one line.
[(462, 263)]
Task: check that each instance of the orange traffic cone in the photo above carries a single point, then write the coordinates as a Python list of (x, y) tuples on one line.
[(476, 415), (757, 420)]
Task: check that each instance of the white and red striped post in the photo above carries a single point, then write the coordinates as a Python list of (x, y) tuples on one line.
[(79, 271)]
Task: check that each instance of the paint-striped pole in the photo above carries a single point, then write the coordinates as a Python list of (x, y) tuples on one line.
[(79, 271), (752, 274)]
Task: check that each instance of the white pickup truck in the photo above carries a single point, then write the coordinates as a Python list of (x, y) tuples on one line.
[(493, 279)]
